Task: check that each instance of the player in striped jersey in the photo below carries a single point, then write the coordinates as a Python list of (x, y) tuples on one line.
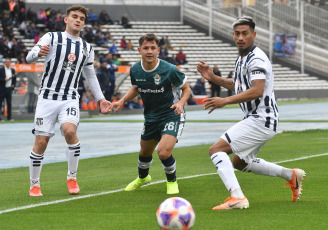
[(253, 85), (66, 56)]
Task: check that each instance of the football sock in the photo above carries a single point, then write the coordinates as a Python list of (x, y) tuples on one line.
[(224, 167), (169, 166), (143, 166), (262, 167), (72, 154), (35, 169)]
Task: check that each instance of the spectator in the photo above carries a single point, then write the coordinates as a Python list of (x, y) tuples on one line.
[(31, 15), (42, 16), (21, 13), (167, 43), (113, 49), (99, 38), (23, 27), (181, 58), (162, 55), (88, 35), (92, 18), (104, 81), (115, 60), (112, 68), (124, 44), (199, 88), (130, 45), (191, 100), (215, 89), (21, 59), (172, 60), (125, 22), (230, 76), (7, 85), (104, 18)]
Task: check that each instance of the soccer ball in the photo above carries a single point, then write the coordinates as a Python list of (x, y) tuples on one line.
[(175, 213)]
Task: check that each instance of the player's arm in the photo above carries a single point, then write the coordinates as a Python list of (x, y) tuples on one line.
[(186, 91), (93, 83), (42, 48), (256, 91), (132, 93), (207, 72)]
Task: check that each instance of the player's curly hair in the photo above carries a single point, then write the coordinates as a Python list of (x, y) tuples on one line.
[(80, 8), (244, 20), (149, 38)]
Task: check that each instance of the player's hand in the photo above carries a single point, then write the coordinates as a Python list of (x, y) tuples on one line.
[(214, 103), (105, 106), (205, 70), (178, 108), (116, 106), (44, 51)]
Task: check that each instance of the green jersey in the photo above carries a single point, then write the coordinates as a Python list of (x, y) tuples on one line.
[(159, 88)]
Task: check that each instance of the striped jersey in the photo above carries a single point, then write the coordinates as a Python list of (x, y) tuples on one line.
[(63, 65), (256, 65)]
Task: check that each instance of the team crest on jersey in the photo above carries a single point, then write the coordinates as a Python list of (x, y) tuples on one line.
[(157, 79), (71, 57)]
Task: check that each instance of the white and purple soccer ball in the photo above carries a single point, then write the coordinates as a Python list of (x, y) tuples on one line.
[(175, 213)]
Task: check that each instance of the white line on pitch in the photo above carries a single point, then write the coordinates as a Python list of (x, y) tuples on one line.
[(122, 189)]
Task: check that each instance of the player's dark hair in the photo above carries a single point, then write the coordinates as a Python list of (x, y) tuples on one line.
[(149, 38), (244, 20), (80, 8)]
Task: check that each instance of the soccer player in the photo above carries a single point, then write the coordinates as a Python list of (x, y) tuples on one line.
[(253, 85), (159, 84), (66, 55)]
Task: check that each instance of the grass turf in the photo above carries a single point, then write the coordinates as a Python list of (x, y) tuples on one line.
[(270, 203)]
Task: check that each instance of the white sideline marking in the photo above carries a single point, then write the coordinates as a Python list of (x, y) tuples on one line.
[(122, 189)]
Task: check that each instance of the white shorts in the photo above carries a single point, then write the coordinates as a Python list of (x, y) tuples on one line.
[(247, 137), (48, 111)]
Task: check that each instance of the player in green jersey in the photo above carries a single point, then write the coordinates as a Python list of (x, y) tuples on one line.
[(159, 84)]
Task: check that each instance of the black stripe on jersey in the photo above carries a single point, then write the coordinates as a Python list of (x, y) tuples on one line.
[(267, 122), (273, 108), (52, 38), (63, 71), (90, 63), (255, 59), (57, 58), (275, 126), (257, 102), (80, 68), (228, 138), (45, 75)]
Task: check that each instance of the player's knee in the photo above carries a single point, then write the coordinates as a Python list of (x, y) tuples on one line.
[(69, 133), (164, 153)]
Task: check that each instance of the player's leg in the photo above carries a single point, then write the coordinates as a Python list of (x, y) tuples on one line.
[(219, 156), (145, 160), (165, 148), (69, 118), (294, 177), (44, 128), (36, 161)]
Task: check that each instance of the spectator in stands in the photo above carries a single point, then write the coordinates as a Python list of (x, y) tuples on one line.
[(100, 38), (113, 49), (104, 18), (199, 88), (12, 9), (88, 35), (163, 49), (181, 58), (124, 44), (31, 15), (104, 80), (7, 85), (215, 89), (23, 27), (32, 90), (125, 22), (115, 60), (5, 6), (42, 16), (112, 68), (230, 76), (4, 49), (21, 13), (167, 43), (130, 45), (92, 18), (21, 58), (172, 60), (162, 55), (191, 100)]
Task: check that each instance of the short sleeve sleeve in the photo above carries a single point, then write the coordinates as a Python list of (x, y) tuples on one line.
[(178, 78)]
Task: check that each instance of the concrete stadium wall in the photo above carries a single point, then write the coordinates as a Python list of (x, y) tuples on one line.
[(134, 12)]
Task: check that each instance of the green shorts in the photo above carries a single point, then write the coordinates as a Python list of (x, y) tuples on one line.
[(155, 130)]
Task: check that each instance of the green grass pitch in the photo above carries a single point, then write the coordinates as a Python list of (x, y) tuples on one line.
[(270, 203)]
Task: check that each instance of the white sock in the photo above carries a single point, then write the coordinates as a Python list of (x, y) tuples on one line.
[(35, 169), (262, 167), (226, 172), (72, 154)]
